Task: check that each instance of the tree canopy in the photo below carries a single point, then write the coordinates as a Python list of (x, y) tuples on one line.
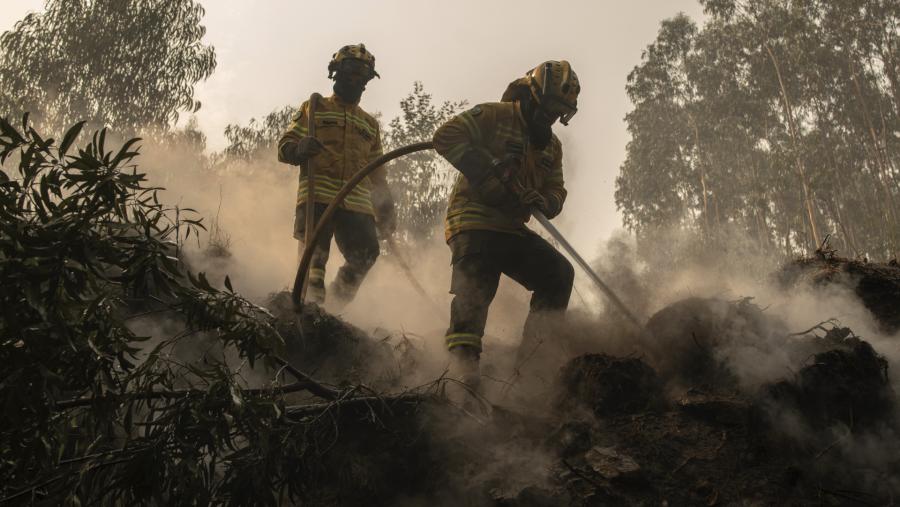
[(420, 182), (777, 117), (128, 65)]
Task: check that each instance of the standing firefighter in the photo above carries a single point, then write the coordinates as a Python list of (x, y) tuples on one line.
[(510, 163), (346, 139)]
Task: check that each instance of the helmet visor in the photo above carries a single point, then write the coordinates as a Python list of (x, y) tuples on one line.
[(556, 107)]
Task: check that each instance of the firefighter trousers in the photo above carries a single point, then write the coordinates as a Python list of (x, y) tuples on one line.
[(480, 257), (357, 241)]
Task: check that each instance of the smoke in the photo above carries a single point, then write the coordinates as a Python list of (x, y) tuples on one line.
[(249, 207), (673, 266)]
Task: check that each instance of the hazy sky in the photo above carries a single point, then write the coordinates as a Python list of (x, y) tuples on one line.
[(275, 52)]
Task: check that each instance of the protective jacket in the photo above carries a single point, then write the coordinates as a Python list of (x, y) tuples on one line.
[(352, 139), (499, 131)]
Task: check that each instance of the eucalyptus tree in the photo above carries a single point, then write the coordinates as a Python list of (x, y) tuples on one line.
[(421, 182), (792, 110), (130, 65)]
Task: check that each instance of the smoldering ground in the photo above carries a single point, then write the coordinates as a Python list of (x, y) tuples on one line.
[(248, 207)]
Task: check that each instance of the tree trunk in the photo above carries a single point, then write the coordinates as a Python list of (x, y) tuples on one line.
[(884, 176), (890, 68), (702, 169), (801, 170)]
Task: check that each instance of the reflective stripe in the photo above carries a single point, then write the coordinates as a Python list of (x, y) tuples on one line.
[(476, 216), (504, 134), (472, 126), (316, 275), (455, 154), (512, 133), (315, 294), (458, 339), (356, 120), (359, 199), (346, 153)]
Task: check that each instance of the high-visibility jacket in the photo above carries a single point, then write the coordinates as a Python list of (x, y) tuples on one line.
[(499, 131), (352, 139)]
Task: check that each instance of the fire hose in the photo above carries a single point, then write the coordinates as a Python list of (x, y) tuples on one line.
[(303, 268), (311, 239), (310, 181)]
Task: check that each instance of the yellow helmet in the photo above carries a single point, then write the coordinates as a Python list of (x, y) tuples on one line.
[(555, 85), (355, 56)]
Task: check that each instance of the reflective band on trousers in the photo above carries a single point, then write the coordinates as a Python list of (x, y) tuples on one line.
[(316, 275), (458, 339)]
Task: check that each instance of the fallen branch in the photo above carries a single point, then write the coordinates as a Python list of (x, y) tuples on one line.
[(314, 387), (300, 411), (181, 393)]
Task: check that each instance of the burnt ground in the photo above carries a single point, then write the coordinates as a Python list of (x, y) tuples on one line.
[(683, 424)]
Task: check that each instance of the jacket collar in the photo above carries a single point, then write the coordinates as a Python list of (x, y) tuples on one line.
[(341, 102), (519, 115)]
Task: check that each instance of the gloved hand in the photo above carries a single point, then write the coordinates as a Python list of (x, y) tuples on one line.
[(493, 192), (385, 212), (532, 199), (304, 149)]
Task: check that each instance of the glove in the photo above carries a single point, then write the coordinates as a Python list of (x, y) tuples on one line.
[(386, 220), (532, 199), (385, 212), (304, 149), (493, 192), (481, 173)]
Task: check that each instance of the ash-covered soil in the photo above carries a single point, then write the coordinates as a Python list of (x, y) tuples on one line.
[(688, 421)]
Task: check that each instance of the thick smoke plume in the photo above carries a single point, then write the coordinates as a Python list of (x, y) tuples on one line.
[(248, 209)]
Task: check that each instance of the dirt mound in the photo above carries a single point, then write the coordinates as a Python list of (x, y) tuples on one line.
[(847, 384), (610, 385), (619, 433), (334, 350), (877, 285), (691, 340)]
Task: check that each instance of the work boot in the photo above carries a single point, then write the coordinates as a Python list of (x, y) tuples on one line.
[(464, 366)]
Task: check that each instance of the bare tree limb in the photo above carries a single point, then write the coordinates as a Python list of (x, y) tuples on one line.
[(314, 387), (182, 393)]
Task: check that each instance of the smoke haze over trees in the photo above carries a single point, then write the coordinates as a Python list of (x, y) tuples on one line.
[(779, 118), (130, 66)]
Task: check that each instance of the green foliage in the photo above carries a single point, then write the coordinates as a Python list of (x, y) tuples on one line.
[(94, 410), (778, 118), (420, 182), (128, 65), (257, 138)]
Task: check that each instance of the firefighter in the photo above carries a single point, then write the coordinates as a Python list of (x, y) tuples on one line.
[(347, 138), (510, 165)]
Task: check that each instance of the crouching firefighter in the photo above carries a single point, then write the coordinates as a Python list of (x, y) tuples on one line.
[(346, 139), (511, 165)]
